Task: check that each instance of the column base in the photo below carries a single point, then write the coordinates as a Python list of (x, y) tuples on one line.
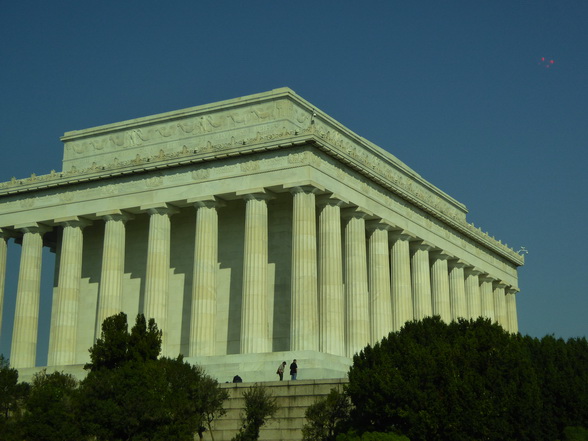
[(312, 365)]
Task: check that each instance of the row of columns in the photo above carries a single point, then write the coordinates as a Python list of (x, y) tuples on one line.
[(388, 280), (344, 294)]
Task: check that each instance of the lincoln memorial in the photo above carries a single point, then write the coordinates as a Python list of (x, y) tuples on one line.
[(253, 230)]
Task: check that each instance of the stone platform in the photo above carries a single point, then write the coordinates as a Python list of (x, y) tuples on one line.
[(312, 365), (293, 398)]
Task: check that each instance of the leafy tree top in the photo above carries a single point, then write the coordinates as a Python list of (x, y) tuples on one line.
[(436, 381), (117, 346), (467, 380)]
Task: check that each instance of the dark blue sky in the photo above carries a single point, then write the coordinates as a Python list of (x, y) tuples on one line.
[(454, 89)]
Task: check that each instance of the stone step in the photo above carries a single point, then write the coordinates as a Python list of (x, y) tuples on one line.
[(292, 397)]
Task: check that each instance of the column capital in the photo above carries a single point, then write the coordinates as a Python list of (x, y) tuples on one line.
[(440, 255), (207, 202), (419, 244), (356, 212), (485, 277), (512, 290), (332, 199), (378, 224), (401, 235), (73, 221), (160, 208), (472, 271), (258, 194), (305, 187), (115, 215), (456, 262), (33, 227), (499, 284)]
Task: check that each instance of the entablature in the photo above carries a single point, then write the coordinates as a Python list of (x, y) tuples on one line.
[(275, 120)]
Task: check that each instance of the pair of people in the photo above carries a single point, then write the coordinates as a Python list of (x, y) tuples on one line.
[(293, 370)]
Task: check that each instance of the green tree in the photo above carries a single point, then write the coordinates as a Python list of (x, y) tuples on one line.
[(325, 417), (213, 398), (562, 370), (50, 408), (12, 397), (130, 394), (192, 399), (259, 406), (117, 346), (433, 381)]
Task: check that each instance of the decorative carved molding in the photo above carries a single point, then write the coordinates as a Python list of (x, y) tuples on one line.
[(155, 181), (200, 174)]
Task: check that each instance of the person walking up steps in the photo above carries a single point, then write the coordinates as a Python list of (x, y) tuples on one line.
[(280, 370), (293, 370)]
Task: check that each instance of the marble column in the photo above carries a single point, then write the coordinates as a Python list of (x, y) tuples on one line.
[(62, 339), (357, 326), (402, 306), (28, 294), (511, 310), (472, 292), (487, 297), (204, 283), (421, 280), (255, 335), (440, 285), (158, 268), (500, 304), (3, 252), (457, 297), (113, 267), (304, 330), (331, 293), (379, 281)]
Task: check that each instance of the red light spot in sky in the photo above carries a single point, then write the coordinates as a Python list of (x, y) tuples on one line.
[(546, 63)]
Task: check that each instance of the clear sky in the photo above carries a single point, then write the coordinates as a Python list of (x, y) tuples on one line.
[(463, 92)]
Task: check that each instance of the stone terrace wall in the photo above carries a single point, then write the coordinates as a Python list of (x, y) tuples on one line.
[(293, 398)]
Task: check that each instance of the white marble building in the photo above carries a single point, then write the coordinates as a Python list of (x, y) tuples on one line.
[(253, 230)]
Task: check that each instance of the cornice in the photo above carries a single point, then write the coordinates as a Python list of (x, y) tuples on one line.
[(202, 110)]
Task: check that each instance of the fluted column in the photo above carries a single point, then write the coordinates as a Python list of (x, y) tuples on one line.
[(204, 283), (511, 310), (487, 297), (331, 294), (28, 293), (254, 314), (158, 268), (472, 292), (402, 307), (379, 281), (457, 298), (62, 340), (113, 267), (304, 303), (500, 305), (440, 285), (356, 283), (421, 280), (3, 252)]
